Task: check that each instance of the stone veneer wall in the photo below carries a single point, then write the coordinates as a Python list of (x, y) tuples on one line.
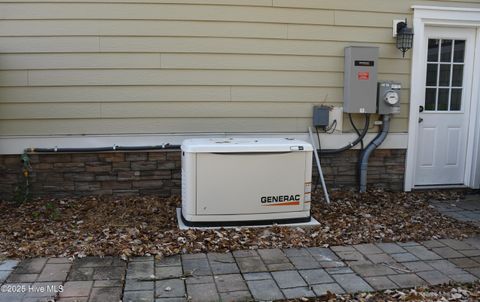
[(386, 169), (108, 173), (159, 172)]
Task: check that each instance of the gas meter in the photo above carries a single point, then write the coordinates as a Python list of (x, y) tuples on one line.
[(388, 97)]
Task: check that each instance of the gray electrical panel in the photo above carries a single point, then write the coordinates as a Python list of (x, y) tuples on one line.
[(388, 100), (320, 116), (360, 79)]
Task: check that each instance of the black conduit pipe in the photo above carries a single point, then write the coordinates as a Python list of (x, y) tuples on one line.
[(103, 149), (377, 141)]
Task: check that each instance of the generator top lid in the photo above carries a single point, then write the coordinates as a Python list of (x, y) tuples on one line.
[(245, 145)]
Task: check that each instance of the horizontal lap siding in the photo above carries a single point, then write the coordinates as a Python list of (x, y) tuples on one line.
[(163, 125), (217, 45), (154, 66), (128, 11), (158, 109), (185, 61)]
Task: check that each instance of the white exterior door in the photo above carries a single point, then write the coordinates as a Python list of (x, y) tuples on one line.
[(444, 113)]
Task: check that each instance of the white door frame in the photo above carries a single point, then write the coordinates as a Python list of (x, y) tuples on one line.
[(449, 17)]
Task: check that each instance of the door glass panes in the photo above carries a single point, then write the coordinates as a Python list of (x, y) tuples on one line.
[(432, 74), (433, 47), (430, 98), (444, 79), (446, 51), (457, 76), (456, 99), (444, 75), (459, 51), (442, 99)]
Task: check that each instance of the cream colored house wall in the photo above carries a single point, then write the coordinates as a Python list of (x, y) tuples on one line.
[(153, 66)]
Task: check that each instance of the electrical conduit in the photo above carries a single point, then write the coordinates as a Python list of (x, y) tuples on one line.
[(104, 149), (377, 141)]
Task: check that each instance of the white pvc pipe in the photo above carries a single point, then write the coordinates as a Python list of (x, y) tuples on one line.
[(317, 159)]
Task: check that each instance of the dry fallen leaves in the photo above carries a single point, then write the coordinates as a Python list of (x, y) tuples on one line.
[(446, 292), (147, 225)]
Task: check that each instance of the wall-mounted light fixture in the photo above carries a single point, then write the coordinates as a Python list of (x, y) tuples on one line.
[(404, 35)]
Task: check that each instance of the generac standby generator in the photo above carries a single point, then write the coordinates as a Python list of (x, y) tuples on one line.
[(244, 181)]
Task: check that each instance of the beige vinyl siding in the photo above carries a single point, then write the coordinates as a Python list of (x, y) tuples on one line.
[(184, 61), (186, 66), (115, 94), (163, 125), (157, 109), (140, 11), (217, 45)]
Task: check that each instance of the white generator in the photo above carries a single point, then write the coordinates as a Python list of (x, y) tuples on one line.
[(245, 181)]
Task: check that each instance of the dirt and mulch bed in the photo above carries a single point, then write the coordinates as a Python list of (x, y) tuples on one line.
[(446, 292), (131, 226)]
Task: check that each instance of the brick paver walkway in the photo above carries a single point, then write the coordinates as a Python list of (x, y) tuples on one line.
[(466, 210), (265, 274)]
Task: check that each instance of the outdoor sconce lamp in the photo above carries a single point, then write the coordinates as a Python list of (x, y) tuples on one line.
[(404, 37)]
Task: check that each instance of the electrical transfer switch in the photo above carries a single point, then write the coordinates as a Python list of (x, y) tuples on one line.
[(360, 79)]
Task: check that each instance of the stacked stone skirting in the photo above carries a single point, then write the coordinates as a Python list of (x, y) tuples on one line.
[(386, 169), (109, 173), (159, 172)]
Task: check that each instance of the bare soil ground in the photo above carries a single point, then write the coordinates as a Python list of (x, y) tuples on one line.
[(130, 226)]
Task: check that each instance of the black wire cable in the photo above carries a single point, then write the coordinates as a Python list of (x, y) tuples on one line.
[(361, 142), (352, 144), (356, 130), (332, 127)]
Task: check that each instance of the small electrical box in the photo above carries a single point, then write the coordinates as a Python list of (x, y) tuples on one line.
[(321, 116), (360, 79), (388, 100)]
